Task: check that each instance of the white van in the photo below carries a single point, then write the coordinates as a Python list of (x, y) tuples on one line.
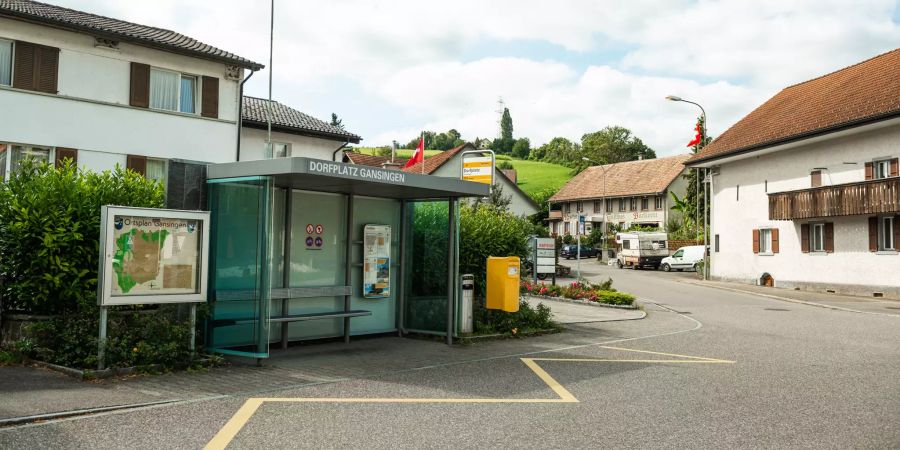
[(684, 258)]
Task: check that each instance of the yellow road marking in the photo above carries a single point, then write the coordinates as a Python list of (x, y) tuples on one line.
[(237, 422)]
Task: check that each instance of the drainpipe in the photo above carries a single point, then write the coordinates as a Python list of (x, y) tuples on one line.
[(334, 154), (240, 117)]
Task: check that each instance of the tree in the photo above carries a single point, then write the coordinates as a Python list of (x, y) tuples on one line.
[(335, 122), (506, 125), (505, 165), (522, 148), (497, 200), (558, 151), (610, 145)]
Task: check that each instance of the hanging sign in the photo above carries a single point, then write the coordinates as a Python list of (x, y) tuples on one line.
[(377, 261), (479, 169), (152, 256)]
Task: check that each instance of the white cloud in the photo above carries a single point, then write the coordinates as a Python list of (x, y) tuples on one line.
[(615, 61)]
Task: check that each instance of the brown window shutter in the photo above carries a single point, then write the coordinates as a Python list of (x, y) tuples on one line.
[(140, 85), (895, 167), (137, 164), (24, 61), (815, 178), (873, 234), (829, 237), (804, 238), (47, 69), (63, 153), (209, 106), (755, 241), (775, 246), (896, 232), (870, 170)]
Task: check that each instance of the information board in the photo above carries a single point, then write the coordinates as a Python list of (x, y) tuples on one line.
[(545, 255), (152, 256), (479, 169), (376, 261)]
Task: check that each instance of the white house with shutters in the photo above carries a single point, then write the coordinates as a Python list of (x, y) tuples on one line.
[(105, 92), (805, 189)]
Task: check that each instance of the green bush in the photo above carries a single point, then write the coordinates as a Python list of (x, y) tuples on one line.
[(615, 298), (50, 229), (486, 231), (525, 319)]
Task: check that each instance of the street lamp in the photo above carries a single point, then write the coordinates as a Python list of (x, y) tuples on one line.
[(675, 98)]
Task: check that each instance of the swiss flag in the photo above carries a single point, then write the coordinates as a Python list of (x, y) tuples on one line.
[(698, 137), (418, 156)]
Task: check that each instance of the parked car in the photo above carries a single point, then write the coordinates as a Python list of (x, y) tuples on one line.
[(571, 252), (683, 258)]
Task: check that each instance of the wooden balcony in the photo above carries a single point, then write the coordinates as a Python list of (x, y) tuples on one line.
[(865, 197), (555, 214)]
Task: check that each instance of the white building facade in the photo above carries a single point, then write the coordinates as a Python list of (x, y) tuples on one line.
[(74, 86), (819, 212)]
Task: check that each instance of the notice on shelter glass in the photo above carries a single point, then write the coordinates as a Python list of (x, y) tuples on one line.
[(155, 256), (377, 261)]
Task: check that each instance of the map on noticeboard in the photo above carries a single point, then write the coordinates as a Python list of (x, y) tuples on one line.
[(149, 256)]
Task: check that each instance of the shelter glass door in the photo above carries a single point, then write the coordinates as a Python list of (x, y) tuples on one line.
[(240, 257)]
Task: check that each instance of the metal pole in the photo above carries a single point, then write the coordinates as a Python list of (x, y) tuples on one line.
[(286, 263), (270, 150), (347, 269), (451, 224), (401, 296), (706, 224), (193, 344), (578, 250), (101, 342)]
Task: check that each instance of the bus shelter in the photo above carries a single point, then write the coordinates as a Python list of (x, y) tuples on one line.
[(306, 249)]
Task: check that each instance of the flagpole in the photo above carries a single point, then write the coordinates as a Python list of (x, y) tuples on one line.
[(423, 152)]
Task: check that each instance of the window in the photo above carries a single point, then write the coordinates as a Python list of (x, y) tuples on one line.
[(626, 244), (882, 169), (632, 204), (717, 243), (580, 206), (765, 240), (156, 170), (609, 206), (566, 227), (172, 91), (12, 155), (817, 237), (886, 234), (678, 254), (815, 178), (658, 202), (280, 150), (6, 55), (568, 207), (621, 204), (598, 205), (645, 204)]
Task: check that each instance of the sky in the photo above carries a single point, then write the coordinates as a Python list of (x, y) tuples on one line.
[(392, 68)]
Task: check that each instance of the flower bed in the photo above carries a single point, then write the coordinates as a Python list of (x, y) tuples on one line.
[(602, 293)]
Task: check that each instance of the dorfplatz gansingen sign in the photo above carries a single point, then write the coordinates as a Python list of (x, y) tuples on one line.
[(152, 256), (355, 171)]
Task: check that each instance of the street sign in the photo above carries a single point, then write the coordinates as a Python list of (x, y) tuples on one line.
[(545, 255), (581, 220), (479, 169)]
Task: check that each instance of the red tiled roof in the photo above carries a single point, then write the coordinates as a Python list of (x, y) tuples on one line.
[(372, 160), (648, 176), (435, 162), (862, 93)]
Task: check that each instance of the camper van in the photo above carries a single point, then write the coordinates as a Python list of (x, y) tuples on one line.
[(641, 249)]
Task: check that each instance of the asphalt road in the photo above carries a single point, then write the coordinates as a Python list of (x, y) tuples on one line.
[(740, 371)]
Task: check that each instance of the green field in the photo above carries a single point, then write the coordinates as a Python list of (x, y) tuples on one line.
[(401, 152), (537, 176)]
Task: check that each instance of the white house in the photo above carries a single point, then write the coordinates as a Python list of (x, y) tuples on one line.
[(805, 189), (293, 133), (621, 194), (104, 92), (449, 164)]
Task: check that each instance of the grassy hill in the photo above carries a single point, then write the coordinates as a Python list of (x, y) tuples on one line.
[(536, 176)]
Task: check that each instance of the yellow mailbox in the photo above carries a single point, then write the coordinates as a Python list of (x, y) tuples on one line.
[(503, 283)]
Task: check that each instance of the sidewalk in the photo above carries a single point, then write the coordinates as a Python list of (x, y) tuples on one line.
[(864, 305)]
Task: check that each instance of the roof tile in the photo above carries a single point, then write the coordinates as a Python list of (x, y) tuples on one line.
[(648, 176), (254, 110)]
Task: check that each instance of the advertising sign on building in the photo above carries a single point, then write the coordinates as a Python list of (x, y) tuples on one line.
[(479, 169), (377, 261), (152, 256)]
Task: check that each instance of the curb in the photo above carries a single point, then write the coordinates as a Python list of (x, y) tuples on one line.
[(787, 299), (93, 374), (76, 412)]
